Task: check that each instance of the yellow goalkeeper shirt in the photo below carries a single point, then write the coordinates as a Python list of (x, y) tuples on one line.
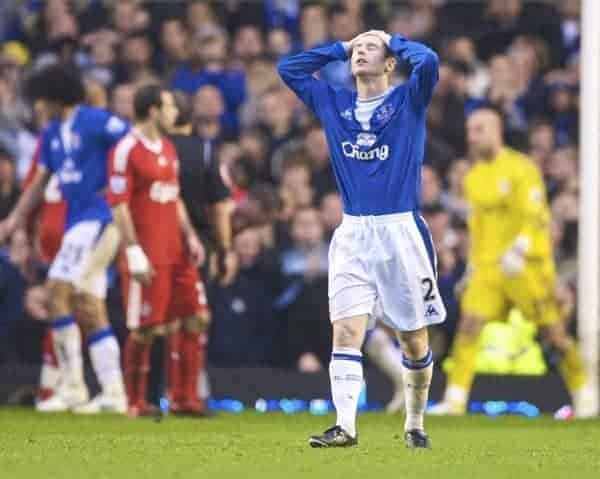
[(507, 199)]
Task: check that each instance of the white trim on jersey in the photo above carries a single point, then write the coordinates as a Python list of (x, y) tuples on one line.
[(155, 147), (122, 150)]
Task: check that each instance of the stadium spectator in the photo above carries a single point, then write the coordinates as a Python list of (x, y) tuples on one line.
[(174, 42), (314, 25), (304, 267), (248, 45), (322, 177), (542, 141), (136, 58), (244, 304), (129, 16), (431, 187), (279, 43), (121, 101), (208, 66), (209, 116), (521, 57), (331, 212), (9, 188)]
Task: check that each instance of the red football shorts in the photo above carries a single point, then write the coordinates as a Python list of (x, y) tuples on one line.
[(175, 292)]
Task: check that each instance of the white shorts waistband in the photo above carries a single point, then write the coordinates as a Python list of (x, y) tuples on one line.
[(378, 219)]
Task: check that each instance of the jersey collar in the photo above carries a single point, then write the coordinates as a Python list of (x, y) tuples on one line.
[(154, 146)]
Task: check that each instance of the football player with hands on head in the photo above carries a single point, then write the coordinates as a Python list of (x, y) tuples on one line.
[(381, 261)]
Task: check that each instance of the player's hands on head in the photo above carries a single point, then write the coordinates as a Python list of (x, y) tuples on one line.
[(384, 36)]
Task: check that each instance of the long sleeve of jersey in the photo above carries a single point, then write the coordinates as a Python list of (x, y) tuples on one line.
[(297, 71), (425, 68), (531, 206)]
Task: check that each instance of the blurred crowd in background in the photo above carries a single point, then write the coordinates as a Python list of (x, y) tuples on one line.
[(520, 56)]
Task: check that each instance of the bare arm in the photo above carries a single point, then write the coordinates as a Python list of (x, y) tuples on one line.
[(122, 217), (28, 200), (184, 219), (137, 262), (195, 248), (31, 196), (221, 212)]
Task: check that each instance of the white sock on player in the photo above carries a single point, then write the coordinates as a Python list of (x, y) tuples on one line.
[(106, 360), (49, 377), (417, 379), (67, 346), (346, 375)]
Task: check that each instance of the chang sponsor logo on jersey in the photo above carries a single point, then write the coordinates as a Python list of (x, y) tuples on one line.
[(365, 140)]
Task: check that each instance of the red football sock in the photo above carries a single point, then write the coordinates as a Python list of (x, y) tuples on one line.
[(137, 366), (174, 367), (190, 362), (203, 342)]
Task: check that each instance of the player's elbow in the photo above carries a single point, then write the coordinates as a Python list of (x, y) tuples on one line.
[(283, 68), (431, 60)]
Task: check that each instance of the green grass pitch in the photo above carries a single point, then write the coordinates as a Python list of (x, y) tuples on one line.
[(251, 445)]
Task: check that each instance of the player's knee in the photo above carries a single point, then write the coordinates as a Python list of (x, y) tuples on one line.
[(197, 323), (346, 335), (89, 311), (144, 335), (415, 344), (59, 298), (172, 327), (556, 337)]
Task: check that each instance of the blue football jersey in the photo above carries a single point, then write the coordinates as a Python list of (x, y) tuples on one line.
[(77, 151), (378, 171)]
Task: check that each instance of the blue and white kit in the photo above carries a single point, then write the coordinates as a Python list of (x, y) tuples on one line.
[(381, 259), (76, 150)]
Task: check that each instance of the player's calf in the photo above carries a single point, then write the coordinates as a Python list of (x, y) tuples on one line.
[(187, 350), (570, 367), (66, 337), (105, 355), (137, 367)]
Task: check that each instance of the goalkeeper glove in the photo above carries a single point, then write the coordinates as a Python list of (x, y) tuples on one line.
[(513, 261)]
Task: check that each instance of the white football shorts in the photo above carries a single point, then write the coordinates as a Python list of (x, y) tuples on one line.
[(385, 266), (85, 253)]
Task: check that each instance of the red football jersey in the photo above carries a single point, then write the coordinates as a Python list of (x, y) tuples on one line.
[(145, 175), (50, 216)]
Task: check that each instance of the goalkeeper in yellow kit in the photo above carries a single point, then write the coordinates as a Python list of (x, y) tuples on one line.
[(510, 261)]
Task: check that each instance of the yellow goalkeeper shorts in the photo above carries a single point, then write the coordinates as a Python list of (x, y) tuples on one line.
[(490, 294)]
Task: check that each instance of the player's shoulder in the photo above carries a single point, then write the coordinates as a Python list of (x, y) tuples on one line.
[(50, 136), (103, 119), (122, 151), (520, 163), (511, 156), (169, 143)]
